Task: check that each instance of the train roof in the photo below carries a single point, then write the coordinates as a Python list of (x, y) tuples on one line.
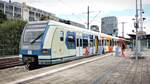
[(74, 28), (71, 27)]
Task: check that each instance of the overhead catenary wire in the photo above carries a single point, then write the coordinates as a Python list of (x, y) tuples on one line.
[(70, 7), (77, 15), (95, 17)]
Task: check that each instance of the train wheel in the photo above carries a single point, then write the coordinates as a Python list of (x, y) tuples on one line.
[(28, 66)]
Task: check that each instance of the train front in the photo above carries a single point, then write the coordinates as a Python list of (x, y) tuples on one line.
[(32, 41)]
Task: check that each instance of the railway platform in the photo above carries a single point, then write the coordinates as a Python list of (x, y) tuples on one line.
[(106, 69)]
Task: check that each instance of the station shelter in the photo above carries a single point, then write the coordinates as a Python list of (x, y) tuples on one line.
[(144, 39)]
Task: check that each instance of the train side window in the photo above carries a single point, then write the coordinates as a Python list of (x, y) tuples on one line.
[(91, 41), (80, 42), (113, 42), (105, 42), (100, 42), (110, 42), (70, 40), (61, 36), (85, 43), (77, 42)]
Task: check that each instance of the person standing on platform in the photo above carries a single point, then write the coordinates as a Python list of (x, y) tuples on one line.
[(123, 47)]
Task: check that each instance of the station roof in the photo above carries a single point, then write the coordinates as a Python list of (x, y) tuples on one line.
[(133, 36)]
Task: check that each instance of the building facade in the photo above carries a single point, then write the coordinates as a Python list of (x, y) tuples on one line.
[(109, 25), (15, 10), (94, 28)]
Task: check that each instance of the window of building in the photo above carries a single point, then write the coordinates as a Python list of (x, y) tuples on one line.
[(37, 14), (9, 8), (18, 16), (31, 13), (31, 19), (17, 9), (1, 6)]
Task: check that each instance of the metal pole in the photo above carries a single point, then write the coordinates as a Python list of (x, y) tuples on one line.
[(136, 26), (88, 17), (123, 29), (141, 24), (123, 23), (141, 18)]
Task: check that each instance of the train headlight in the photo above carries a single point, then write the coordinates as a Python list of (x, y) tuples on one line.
[(45, 51)]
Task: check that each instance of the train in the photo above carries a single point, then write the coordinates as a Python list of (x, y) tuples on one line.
[(50, 42)]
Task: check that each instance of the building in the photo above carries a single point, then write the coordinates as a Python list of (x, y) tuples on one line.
[(15, 10), (109, 25), (94, 28)]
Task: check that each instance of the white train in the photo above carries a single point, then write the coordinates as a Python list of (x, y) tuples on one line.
[(48, 42)]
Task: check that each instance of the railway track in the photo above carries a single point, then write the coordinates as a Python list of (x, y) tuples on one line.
[(9, 62)]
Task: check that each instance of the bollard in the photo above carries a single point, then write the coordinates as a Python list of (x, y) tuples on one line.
[(117, 52)]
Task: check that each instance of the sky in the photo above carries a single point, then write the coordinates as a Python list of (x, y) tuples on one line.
[(76, 10)]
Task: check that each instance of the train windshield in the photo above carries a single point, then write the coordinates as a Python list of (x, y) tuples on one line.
[(33, 34)]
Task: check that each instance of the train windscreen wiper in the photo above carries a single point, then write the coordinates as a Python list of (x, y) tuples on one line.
[(33, 41)]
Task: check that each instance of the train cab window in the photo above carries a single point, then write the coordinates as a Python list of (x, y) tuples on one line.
[(70, 40), (61, 36)]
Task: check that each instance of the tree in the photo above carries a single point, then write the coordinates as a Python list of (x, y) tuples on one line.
[(2, 16), (10, 34)]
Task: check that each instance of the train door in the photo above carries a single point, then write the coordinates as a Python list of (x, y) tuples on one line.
[(91, 45), (79, 46), (96, 44), (85, 45)]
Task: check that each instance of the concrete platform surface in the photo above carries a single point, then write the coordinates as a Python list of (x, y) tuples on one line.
[(108, 70)]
